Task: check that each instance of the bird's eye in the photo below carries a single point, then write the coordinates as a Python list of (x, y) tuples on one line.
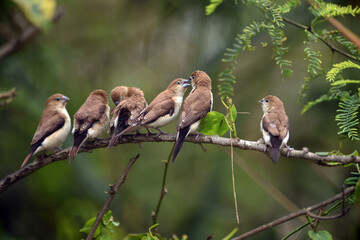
[(57, 99), (179, 82), (267, 100)]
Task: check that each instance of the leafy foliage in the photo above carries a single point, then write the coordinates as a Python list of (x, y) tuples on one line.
[(320, 235), (273, 25), (326, 10), (209, 9), (39, 12), (337, 68), (105, 228), (348, 117)]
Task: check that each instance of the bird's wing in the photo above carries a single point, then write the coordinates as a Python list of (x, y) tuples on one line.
[(158, 110), (196, 106), (271, 124), (48, 126), (87, 115)]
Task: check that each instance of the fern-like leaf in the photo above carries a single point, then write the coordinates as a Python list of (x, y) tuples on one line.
[(209, 9), (338, 37), (286, 7), (333, 10), (335, 93), (347, 118), (338, 67), (345, 81), (270, 9)]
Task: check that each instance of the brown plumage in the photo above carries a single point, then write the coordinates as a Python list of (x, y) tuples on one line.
[(163, 109), (196, 106), (124, 114), (118, 94), (274, 125), (90, 120), (53, 127)]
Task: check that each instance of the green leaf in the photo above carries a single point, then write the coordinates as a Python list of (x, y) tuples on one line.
[(357, 192), (320, 235), (133, 236), (39, 12), (232, 113), (213, 124), (103, 237), (86, 229)]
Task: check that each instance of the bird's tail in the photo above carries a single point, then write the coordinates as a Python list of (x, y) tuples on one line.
[(27, 158), (180, 138), (275, 148), (275, 154), (119, 132), (31, 152), (78, 140)]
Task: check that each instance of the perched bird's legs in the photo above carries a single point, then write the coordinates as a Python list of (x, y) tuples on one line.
[(203, 147), (57, 149), (289, 149), (160, 131), (148, 132)]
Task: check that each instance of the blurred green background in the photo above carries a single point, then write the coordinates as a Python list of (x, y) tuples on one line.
[(103, 44)]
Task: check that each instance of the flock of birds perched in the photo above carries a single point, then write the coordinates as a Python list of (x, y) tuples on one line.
[(132, 112)]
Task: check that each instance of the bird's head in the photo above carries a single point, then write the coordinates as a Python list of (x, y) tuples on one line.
[(56, 101), (200, 79), (99, 94), (118, 94), (179, 86), (134, 92), (270, 102)]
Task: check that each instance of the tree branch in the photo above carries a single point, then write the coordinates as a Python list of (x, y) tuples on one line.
[(304, 211), (43, 160), (332, 47), (112, 192), (15, 44)]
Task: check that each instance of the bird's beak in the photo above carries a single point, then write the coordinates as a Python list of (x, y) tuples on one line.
[(116, 103), (185, 83), (261, 101), (65, 99), (190, 80)]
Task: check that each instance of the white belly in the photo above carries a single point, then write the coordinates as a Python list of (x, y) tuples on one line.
[(56, 139), (166, 119)]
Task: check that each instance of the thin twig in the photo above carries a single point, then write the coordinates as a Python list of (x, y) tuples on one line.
[(163, 191), (89, 146), (112, 192), (295, 214), (15, 44), (332, 47)]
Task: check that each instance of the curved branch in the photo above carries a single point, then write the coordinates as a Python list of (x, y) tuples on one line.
[(112, 192), (304, 211), (43, 160)]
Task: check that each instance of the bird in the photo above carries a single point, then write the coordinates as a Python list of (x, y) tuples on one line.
[(163, 109), (196, 106), (53, 128), (118, 94), (90, 120), (124, 114), (274, 125)]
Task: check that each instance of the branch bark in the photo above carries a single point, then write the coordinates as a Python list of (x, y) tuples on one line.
[(15, 44), (112, 192), (304, 211), (43, 160)]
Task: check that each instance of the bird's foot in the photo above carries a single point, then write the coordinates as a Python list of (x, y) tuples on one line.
[(289, 149), (148, 132), (261, 140), (160, 131), (57, 149)]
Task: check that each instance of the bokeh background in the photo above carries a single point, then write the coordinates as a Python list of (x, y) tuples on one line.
[(103, 44)]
